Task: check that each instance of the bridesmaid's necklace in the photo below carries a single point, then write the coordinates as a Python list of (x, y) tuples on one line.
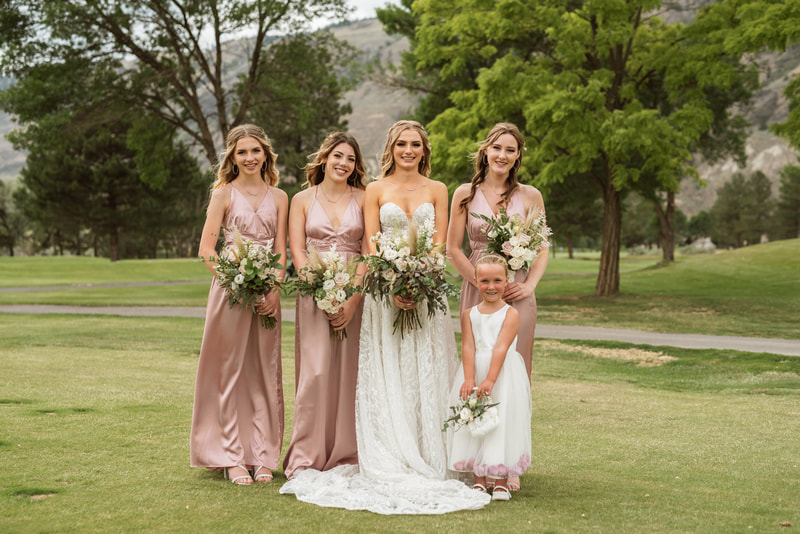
[(328, 198)]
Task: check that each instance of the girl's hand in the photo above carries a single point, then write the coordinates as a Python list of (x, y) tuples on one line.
[(516, 291), (269, 303), (466, 388), (342, 318), (404, 303), (485, 388)]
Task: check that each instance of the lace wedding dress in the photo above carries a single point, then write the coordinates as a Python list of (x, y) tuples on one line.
[(401, 402)]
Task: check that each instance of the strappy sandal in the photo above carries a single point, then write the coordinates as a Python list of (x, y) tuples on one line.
[(501, 493), (258, 476), (236, 480), (480, 487), (513, 483)]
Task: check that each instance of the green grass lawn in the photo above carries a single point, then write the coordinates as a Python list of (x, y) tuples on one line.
[(96, 413), (753, 291)]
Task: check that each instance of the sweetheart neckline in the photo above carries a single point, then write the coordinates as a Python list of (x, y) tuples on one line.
[(404, 211)]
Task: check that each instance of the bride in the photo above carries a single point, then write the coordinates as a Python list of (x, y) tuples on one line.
[(401, 396)]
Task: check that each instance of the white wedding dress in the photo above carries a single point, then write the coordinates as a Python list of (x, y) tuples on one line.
[(401, 403)]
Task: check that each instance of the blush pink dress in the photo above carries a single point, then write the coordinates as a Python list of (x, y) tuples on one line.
[(324, 428), (469, 293), (238, 399)]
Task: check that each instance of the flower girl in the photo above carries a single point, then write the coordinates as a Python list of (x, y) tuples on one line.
[(491, 366)]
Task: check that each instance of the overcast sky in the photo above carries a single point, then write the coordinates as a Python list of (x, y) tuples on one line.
[(365, 9)]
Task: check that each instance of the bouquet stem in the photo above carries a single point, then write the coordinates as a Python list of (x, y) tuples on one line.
[(268, 321), (338, 335), (406, 321)]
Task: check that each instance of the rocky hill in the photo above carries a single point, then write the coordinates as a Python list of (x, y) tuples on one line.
[(376, 107)]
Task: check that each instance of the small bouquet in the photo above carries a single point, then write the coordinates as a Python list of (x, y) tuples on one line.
[(330, 280), (478, 414), (407, 265), (247, 271), (516, 239)]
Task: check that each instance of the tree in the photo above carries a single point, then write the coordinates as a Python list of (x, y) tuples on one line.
[(742, 211), (700, 225), (183, 51), (788, 208), (12, 222), (577, 77), (80, 172), (304, 69), (574, 210)]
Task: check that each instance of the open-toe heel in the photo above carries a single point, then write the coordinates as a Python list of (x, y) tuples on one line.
[(265, 476), (241, 480)]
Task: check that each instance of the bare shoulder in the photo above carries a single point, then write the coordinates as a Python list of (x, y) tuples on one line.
[(280, 194), (512, 313), (531, 196), (221, 195), (437, 186), (462, 191), (359, 195)]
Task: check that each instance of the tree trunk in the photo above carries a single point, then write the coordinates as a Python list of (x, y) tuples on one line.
[(569, 246), (608, 275), (666, 220), (113, 243)]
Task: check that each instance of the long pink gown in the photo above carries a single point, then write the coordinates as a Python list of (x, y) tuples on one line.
[(324, 431), (238, 399), (469, 293)]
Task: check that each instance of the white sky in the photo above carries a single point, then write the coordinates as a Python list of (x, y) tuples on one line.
[(365, 9)]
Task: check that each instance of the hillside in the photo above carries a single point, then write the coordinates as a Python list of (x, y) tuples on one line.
[(376, 107)]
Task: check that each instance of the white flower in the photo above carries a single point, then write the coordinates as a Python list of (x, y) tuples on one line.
[(239, 279), (465, 414), (234, 286), (402, 265), (341, 295), (327, 285), (405, 251), (389, 275), (515, 264), (514, 240), (524, 239), (529, 255), (518, 252), (473, 401), (492, 233), (507, 247), (341, 278), (390, 254)]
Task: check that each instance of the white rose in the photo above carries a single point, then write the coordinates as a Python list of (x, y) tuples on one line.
[(529, 255), (327, 285), (390, 254), (515, 264), (514, 241), (518, 252), (341, 278), (341, 295), (524, 239), (402, 265), (465, 414), (389, 275), (405, 251), (239, 279)]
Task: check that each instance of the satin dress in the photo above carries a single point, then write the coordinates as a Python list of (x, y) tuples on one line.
[(324, 429), (238, 401), (477, 242)]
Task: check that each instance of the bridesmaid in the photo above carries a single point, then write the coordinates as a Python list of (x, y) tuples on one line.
[(328, 213), (496, 185), (237, 422)]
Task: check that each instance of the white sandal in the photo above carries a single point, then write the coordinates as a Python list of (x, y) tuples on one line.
[(479, 487), (267, 476), (235, 480), (501, 493)]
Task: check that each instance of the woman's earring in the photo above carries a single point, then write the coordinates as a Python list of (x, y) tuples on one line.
[(264, 167), (236, 170), (485, 160)]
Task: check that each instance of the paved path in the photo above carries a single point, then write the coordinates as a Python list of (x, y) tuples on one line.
[(786, 347)]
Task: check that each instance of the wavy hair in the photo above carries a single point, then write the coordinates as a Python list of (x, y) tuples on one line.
[(482, 164), (225, 175), (315, 169), (387, 160)]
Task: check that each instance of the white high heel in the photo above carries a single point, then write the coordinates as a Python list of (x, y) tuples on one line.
[(235, 480)]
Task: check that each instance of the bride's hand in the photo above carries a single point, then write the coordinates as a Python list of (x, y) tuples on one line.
[(404, 303), (485, 388)]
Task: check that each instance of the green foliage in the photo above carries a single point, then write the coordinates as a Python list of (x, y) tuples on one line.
[(300, 101), (742, 211), (787, 224), (601, 90), (700, 225), (12, 221)]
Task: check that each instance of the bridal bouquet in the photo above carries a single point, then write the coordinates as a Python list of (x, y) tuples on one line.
[(247, 271), (478, 414), (330, 280), (407, 265), (516, 239)]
